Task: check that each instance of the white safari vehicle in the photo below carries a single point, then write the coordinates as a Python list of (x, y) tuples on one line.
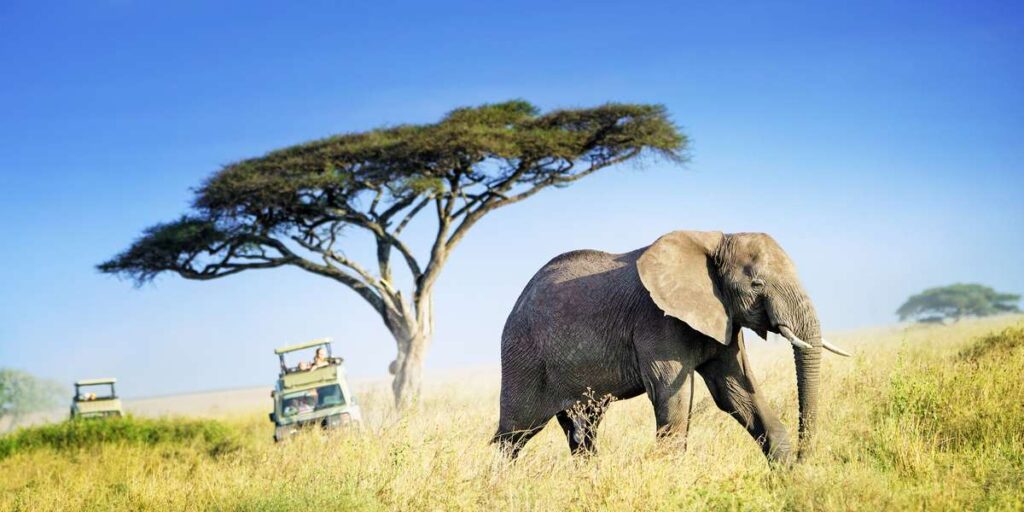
[(311, 393), (96, 398)]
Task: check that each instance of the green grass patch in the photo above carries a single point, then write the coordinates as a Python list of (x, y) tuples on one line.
[(957, 418), (212, 436)]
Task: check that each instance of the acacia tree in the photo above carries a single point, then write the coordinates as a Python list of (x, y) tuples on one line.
[(290, 206), (957, 301)]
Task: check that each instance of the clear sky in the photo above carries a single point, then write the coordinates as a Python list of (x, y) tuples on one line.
[(880, 143)]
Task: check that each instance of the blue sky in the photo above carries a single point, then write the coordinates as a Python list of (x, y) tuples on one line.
[(878, 142)]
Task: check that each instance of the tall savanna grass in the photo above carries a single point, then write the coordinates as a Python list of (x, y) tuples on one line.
[(922, 417)]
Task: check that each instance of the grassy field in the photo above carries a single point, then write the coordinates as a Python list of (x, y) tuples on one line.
[(922, 418)]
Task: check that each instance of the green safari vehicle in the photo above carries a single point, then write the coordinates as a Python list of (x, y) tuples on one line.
[(311, 394), (96, 398)]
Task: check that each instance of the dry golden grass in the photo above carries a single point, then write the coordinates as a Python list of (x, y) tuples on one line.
[(916, 420)]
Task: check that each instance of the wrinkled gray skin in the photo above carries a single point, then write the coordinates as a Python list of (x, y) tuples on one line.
[(641, 323)]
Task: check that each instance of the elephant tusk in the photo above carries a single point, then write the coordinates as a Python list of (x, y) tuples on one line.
[(797, 342), (834, 349)]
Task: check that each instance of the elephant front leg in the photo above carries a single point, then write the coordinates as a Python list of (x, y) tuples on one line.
[(735, 392)]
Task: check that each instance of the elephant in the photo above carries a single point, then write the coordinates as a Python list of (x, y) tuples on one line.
[(642, 322)]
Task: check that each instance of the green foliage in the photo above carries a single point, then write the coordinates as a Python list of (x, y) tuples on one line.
[(71, 435), (957, 301), (21, 394), (167, 246), (491, 141), (246, 213)]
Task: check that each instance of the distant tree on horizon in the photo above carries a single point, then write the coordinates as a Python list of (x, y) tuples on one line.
[(21, 394), (957, 301), (296, 206)]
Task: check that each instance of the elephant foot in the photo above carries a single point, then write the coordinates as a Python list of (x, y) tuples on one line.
[(779, 452), (510, 443)]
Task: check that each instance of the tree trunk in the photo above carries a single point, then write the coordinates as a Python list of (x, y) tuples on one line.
[(412, 337), (408, 370)]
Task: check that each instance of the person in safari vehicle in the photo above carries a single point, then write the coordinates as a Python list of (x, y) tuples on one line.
[(320, 359), (301, 404)]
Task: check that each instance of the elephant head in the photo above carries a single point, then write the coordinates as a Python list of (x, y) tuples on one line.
[(717, 283)]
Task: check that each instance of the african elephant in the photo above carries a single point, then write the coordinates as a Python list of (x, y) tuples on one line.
[(643, 322)]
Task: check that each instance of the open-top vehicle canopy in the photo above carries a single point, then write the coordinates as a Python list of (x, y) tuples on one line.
[(299, 346), (93, 382)]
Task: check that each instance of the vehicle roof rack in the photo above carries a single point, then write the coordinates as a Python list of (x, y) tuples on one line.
[(300, 346), (90, 382)]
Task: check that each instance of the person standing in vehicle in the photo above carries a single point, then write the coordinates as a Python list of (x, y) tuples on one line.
[(320, 359)]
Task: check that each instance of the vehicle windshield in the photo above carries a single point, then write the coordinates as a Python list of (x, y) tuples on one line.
[(312, 400), (94, 392)]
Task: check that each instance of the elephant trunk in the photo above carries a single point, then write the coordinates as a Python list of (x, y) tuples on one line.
[(808, 379), (797, 320)]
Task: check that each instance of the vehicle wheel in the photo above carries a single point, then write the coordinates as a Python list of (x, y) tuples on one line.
[(342, 420), (281, 434), (333, 422)]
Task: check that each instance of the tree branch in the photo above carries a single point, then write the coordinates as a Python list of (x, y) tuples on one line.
[(365, 291), (412, 213), (473, 216), (330, 255), (209, 273), (378, 230), (399, 205), (438, 253)]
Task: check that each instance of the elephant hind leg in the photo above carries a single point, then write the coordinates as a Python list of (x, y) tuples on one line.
[(510, 442), (580, 430)]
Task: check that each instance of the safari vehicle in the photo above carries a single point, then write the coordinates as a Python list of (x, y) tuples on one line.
[(96, 398), (311, 394)]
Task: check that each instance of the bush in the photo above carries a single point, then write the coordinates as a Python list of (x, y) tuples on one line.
[(1001, 343), (211, 436)]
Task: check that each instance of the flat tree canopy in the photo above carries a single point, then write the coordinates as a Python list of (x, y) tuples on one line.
[(957, 301), (289, 206)]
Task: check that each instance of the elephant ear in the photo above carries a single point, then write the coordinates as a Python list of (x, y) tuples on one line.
[(679, 272)]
